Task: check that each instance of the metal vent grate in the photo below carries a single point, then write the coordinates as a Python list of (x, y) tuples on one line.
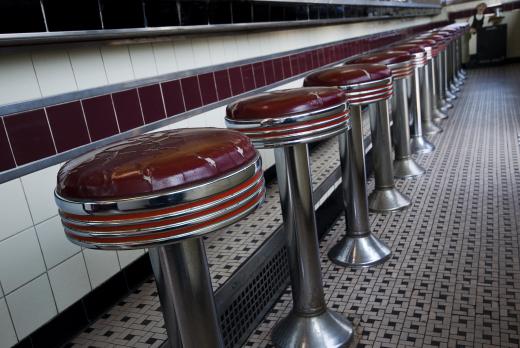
[(251, 303)]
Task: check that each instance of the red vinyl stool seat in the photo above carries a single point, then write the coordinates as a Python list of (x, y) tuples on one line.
[(164, 191), (287, 120)]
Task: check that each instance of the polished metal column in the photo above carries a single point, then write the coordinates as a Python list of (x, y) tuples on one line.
[(448, 95), (310, 323), (461, 72), (418, 142), (359, 247), (428, 126), (384, 197), (437, 114), (184, 270), (452, 85), (444, 103), (164, 283), (404, 165)]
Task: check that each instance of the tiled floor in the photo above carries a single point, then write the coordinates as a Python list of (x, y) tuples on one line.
[(454, 278)]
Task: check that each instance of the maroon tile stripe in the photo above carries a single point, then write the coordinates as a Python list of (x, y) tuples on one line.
[(36, 134)]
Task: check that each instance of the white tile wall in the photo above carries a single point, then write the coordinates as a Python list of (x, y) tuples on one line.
[(17, 67), (14, 215), (31, 306), (7, 334), (39, 189), (101, 265), (21, 260), (88, 67), (117, 63), (165, 57), (54, 72), (29, 202), (143, 60), (69, 281), (55, 246), (184, 54), (126, 257)]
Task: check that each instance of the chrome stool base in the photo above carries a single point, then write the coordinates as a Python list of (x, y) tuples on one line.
[(407, 168), (431, 128), (359, 252), (421, 145), (390, 199), (438, 115), (328, 329)]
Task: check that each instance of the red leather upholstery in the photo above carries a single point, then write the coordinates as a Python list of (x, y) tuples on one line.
[(346, 75), (284, 103), (153, 162), (386, 58)]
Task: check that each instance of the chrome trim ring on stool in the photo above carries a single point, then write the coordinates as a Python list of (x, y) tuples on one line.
[(359, 247), (287, 120), (165, 190), (385, 197)]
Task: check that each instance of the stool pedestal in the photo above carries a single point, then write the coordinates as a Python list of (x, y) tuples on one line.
[(418, 142), (359, 247), (443, 103), (404, 165), (384, 197), (181, 269), (437, 114), (428, 126), (310, 323), (447, 93)]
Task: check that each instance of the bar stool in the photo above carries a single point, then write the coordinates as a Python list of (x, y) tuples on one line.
[(446, 57), (438, 60), (363, 84), (385, 197), (164, 191), (287, 120)]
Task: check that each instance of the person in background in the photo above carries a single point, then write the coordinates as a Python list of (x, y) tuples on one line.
[(476, 22)]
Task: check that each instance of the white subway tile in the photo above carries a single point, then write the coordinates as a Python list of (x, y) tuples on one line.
[(197, 121), (7, 334), (165, 57), (55, 246), (184, 54), (267, 158), (31, 306), (39, 189), (201, 53), (54, 72), (143, 60), (242, 42), (69, 281), (20, 260), (88, 68), (117, 63), (101, 265), (215, 117), (18, 80), (126, 257), (14, 214), (231, 49), (217, 50)]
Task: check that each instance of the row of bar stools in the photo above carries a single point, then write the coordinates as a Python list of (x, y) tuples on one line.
[(385, 197), (164, 191), (363, 84), (287, 120)]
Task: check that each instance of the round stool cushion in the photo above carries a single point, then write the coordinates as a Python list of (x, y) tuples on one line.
[(290, 116), (417, 51), (159, 188), (399, 62), (350, 74)]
